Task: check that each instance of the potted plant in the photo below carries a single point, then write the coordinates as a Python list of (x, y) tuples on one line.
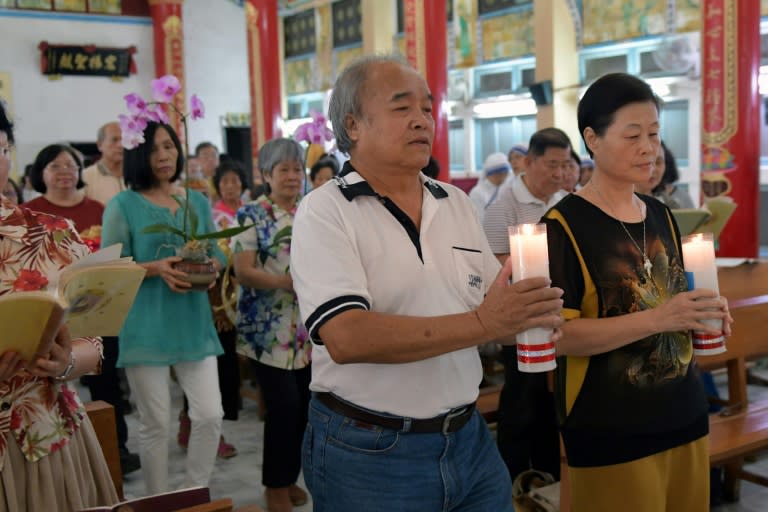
[(196, 248)]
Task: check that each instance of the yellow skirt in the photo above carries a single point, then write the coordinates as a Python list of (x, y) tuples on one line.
[(675, 480)]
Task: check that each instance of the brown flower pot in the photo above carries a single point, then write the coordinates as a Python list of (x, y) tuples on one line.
[(200, 274)]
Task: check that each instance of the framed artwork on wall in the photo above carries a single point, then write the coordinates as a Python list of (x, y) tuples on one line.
[(70, 5), (34, 4), (105, 6)]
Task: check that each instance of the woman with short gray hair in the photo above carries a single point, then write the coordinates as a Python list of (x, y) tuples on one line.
[(269, 327)]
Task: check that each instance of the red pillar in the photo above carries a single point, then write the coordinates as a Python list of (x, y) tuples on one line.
[(264, 70), (425, 20), (730, 117), (169, 51)]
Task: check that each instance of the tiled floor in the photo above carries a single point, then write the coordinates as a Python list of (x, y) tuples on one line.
[(239, 478)]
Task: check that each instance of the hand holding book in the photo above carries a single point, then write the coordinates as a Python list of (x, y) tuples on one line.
[(92, 298)]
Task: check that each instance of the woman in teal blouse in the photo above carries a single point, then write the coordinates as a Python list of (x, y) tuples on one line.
[(168, 325)]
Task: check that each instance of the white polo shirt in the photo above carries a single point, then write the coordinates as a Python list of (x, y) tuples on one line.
[(515, 205), (354, 249)]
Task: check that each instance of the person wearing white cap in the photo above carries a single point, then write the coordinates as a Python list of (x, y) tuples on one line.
[(516, 158), (587, 168), (495, 172)]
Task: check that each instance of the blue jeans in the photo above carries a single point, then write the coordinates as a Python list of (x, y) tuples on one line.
[(352, 466)]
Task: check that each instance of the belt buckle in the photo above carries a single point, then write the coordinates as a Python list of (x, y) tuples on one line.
[(450, 416)]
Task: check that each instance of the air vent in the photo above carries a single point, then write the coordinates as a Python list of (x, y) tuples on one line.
[(599, 66), (495, 83)]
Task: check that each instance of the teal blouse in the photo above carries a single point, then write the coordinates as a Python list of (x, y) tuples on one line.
[(163, 327)]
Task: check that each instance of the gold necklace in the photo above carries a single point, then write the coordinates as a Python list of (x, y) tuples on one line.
[(647, 265)]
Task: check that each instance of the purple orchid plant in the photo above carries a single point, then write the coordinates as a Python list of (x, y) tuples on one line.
[(132, 127), (315, 131)]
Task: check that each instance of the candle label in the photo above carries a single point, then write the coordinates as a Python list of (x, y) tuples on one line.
[(691, 280)]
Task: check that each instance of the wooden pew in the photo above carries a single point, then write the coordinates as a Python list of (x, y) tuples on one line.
[(102, 416), (741, 428)]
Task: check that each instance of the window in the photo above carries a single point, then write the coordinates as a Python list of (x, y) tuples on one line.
[(456, 144), (674, 129), (596, 67), (500, 134)]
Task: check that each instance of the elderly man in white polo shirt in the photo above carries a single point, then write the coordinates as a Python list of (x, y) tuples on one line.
[(397, 286), (527, 430)]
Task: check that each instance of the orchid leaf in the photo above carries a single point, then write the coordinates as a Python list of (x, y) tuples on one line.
[(163, 228), (225, 233)]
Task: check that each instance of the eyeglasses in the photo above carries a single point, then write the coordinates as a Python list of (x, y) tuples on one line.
[(62, 167)]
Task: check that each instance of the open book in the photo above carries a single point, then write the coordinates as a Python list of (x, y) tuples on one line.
[(172, 500), (92, 297), (712, 218)]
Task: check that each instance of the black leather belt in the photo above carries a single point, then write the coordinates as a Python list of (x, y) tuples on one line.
[(451, 421)]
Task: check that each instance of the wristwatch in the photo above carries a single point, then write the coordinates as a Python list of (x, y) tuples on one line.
[(68, 370)]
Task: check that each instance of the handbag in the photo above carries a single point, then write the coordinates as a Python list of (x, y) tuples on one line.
[(536, 491)]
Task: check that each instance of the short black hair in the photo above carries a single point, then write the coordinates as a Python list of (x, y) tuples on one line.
[(324, 161), (227, 166), (137, 172), (576, 158), (548, 138), (47, 155), (671, 173), (204, 145), (5, 123), (608, 94)]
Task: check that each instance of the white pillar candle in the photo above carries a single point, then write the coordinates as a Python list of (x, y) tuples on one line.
[(701, 271), (530, 258)]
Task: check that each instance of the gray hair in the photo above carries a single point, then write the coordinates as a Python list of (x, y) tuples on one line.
[(102, 133), (279, 150), (346, 98)]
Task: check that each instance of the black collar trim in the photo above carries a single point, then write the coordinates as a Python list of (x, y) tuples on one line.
[(352, 185)]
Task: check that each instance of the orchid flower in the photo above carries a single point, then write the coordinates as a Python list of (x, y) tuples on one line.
[(165, 88), (142, 111), (315, 131)]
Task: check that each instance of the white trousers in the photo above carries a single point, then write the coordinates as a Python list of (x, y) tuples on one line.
[(150, 386)]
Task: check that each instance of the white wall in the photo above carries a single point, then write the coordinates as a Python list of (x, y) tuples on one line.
[(216, 65), (72, 108)]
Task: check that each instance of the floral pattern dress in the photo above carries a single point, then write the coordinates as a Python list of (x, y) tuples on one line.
[(42, 414), (268, 321)]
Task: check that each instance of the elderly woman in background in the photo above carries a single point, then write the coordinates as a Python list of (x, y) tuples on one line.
[(153, 337), (271, 332), (666, 191), (50, 458), (56, 174), (496, 169), (324, 170)]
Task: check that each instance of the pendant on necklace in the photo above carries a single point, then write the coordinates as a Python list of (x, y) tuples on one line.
[(648, 265)]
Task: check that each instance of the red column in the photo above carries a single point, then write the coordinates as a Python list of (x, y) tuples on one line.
[(264, 68), (425, 20), (730, 117), (169, 50)]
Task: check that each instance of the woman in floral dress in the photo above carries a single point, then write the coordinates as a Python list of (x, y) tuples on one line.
[(50, 458), (268, 322)]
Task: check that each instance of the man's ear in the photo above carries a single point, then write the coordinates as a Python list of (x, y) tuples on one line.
[(352, 126)]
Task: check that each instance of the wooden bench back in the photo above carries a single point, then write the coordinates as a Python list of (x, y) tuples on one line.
[(746, 287)]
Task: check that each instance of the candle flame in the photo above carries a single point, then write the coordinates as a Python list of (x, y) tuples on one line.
[(698, 238), (528, 229)]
